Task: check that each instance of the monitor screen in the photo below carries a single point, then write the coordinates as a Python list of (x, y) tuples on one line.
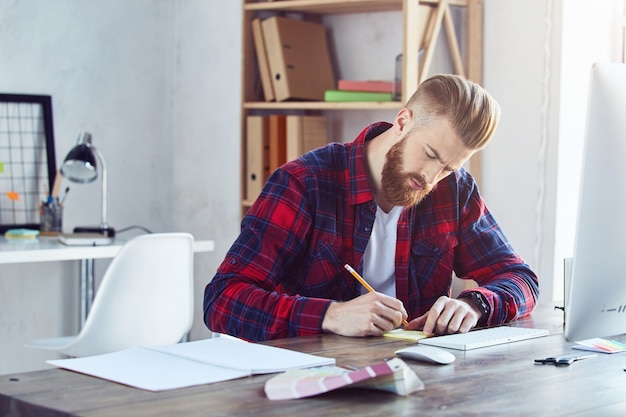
[(595, 305)]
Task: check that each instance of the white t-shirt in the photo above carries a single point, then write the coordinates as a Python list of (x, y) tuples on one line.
[(379, 268)]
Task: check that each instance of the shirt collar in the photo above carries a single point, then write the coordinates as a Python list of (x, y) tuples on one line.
[(359, 187)]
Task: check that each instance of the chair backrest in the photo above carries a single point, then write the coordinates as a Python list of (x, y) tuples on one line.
[(145, 298)]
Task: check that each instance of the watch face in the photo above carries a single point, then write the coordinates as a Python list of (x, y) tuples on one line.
[(481, 302)]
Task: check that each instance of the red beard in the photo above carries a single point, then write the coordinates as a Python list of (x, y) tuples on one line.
[(396, 185)]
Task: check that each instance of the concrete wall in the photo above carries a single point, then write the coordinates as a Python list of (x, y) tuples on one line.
[(157, 83), (537, 58), (160, 79)]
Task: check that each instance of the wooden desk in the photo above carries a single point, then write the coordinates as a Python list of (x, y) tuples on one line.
[(46, 249), (498, 380)]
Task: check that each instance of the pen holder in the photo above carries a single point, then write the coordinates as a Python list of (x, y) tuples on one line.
[(51, 218)]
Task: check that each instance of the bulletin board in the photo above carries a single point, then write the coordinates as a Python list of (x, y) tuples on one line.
[(27, 158)]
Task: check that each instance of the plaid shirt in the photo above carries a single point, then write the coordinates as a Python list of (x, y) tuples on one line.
[(316, 213)]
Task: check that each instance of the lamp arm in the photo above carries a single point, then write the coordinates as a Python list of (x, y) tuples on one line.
[(104, 186)]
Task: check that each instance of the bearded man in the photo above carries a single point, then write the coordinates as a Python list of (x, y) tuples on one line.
[(397, 204)]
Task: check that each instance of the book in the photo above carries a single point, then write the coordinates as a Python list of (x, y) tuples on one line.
[(277, 132), (158, 368), (21, 234), (261, 57), (393, 375), (371, 86), (340, 95), (298, 57), (305, 133), (257, 155)]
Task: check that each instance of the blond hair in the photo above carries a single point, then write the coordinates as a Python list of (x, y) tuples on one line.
[(471, 110)]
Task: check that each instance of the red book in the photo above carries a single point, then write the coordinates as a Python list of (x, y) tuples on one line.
[(370, 86)]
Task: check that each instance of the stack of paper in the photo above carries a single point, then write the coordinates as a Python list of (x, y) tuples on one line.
[(393, 376), (85, 239)]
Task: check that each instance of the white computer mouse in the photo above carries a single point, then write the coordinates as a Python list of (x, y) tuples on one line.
[(426, 354)]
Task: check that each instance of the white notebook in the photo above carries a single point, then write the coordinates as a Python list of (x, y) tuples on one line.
[(158, 368)]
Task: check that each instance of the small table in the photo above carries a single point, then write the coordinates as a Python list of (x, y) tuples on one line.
[(47, 249)]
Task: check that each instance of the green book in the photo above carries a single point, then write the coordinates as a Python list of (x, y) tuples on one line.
[(341, 95)]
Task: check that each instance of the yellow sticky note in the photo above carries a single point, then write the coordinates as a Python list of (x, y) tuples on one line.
[(402, 334)]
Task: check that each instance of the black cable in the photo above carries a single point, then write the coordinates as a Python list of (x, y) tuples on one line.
[(133, 227)]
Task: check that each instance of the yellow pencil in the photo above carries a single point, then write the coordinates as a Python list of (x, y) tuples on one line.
[(365, 284)]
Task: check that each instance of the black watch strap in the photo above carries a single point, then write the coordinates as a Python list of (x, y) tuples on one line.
[(479, 300)]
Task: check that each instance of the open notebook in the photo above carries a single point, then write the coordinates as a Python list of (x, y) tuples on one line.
[(158, 368)]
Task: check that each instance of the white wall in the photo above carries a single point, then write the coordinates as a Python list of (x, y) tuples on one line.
[(590, 34), (520, 62), (206, 131), (99, 62), (157, 84), (536, 62)]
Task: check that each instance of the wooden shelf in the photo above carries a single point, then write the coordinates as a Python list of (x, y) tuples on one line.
[(322, 105), (421, 24), (338, 6)]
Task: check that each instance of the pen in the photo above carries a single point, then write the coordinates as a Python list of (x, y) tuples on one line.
[(67, 190), (364, 283)]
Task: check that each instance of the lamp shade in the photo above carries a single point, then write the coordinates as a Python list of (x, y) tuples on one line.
[(80, 164)]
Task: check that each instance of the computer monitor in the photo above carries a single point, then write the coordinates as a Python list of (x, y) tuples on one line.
[(596, 302)]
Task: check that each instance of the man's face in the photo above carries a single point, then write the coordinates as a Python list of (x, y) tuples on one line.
[(422, 158)]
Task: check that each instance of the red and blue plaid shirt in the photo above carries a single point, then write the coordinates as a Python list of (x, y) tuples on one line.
[(316, 213)]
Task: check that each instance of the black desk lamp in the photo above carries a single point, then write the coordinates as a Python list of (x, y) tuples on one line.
[(80, 166)]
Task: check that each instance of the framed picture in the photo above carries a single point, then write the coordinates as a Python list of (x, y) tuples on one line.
[(27, 158)]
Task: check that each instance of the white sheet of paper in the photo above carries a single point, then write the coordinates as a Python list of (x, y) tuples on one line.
[(147, 369), (238, 354)]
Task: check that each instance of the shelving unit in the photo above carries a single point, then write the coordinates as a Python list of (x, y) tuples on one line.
[(422, 22)]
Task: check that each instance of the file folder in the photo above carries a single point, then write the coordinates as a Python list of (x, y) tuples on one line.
[(298, 57), (305, 133), (261, 57), (277, 141), (257, 155)]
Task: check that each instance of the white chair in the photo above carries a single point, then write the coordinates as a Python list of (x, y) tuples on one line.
[(145, 298)]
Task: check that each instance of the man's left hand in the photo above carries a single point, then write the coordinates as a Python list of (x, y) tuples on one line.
[(447, 315)]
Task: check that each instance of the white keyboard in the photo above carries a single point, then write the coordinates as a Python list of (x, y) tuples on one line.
[(484, 337)]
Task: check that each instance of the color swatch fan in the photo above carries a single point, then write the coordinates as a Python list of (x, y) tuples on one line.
[(393, 375)]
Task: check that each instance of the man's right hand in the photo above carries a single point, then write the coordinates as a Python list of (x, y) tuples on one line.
[(371, 314)]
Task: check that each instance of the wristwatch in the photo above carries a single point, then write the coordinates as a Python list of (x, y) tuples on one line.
[(479, 300)]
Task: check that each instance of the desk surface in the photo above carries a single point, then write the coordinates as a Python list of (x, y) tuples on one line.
[(46, 249), (498, 380)]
